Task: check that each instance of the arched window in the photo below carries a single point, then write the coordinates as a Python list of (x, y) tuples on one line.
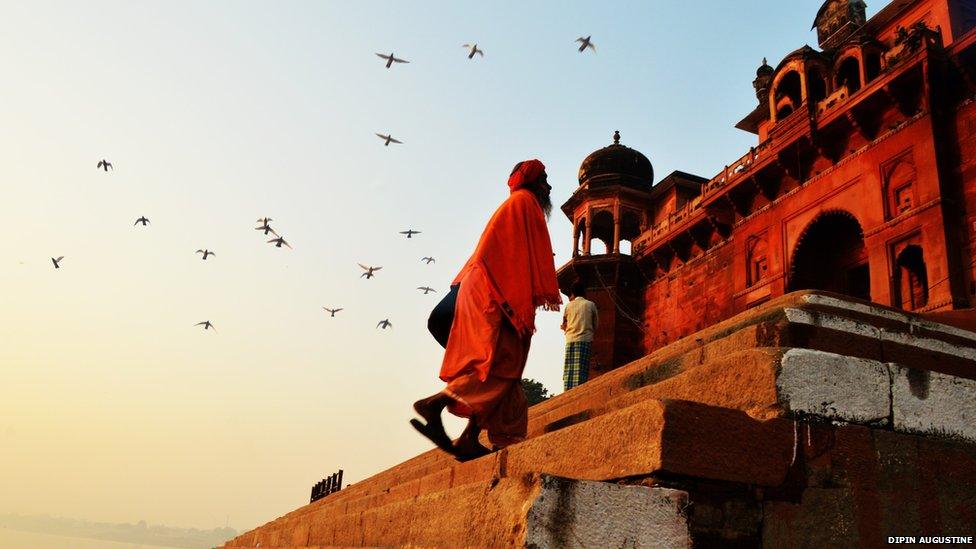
[(849, 74), (602, 230), (578, 236), (757, 264), (788, 94), (900, 188), (629, 230), (911, 279)]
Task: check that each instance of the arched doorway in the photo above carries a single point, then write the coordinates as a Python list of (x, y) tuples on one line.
[(831, 256)]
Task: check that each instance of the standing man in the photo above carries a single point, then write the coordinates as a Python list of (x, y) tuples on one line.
[(510, 274), (579, 322)]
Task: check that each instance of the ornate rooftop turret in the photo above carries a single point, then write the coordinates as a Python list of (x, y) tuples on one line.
[(837, 20), (617, 164), (764, 76)]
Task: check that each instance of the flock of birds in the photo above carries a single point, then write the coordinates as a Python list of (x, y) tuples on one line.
[(279, 241), (264, 225), (392, 58)]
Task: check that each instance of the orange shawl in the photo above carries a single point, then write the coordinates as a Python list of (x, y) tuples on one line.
[(515, 254)]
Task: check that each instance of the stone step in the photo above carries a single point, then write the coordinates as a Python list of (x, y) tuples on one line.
[(648, 438), (530, 511)]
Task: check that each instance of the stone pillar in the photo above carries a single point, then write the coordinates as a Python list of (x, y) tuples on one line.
[(616, 227), (588, 232), (576, 238)]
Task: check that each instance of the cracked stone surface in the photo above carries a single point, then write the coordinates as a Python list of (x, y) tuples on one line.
[(933, 403), (579, 513), (834, 386)]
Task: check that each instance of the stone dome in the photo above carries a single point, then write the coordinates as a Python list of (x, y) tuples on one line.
[(617, 165)]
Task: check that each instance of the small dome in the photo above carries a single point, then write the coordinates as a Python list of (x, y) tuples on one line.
[(617, 165), (764, 69), (805, 52)]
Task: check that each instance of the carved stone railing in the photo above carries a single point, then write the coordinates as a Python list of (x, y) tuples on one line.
[(832, 100), (736, 169)]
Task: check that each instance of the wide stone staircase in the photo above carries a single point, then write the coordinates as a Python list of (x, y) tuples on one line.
[(813, 420)]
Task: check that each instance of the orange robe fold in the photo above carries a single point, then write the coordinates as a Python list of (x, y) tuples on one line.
[(510, 274)]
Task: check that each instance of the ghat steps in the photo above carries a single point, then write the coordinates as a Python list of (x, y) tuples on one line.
[(813, 419)]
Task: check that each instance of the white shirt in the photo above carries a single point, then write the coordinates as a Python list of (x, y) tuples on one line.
[(580, 318)]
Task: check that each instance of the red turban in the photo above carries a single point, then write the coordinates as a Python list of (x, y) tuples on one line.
[(527, 172)]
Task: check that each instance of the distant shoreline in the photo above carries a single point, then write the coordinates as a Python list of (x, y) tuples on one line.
[(138, 533), (55, 535), (78, 536)]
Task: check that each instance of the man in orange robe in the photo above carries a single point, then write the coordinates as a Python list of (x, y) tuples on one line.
[(510, 274)]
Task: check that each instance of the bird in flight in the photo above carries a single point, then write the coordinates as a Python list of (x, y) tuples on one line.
[(206, 325), (57, 261), (205, 253), (409, 232), (369, 271), (142, 220), (279, 241), (428, 260), (388, 139), (585, 43), (390, 59), (265, 227), (385, 324), (332, 312), (104, 164), (426, 289), (474, 49)]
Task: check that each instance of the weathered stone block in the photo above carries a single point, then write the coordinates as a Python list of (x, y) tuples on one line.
[(933, 403), (670, 436), (577, 513), (834, 386)]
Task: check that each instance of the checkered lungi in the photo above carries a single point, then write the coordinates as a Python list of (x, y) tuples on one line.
[(576, 369)]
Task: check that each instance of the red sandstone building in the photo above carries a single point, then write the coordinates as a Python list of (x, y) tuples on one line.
[(863, 182)]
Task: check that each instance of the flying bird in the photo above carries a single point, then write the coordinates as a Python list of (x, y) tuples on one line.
[(390, 59), (332, 312), (56, 261), (474, 49), (369, 271), (428, 260), (585, 43), (388, 139), (105, 165), (426, 289), (385, 324), (409, 232), (205, 253), (142, 220), (267, 229), (279, 241), (206, 325)]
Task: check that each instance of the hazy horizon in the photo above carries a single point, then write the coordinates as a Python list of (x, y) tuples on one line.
[(114, 406)]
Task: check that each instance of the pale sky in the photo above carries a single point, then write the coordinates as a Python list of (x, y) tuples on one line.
[(113, 405)]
